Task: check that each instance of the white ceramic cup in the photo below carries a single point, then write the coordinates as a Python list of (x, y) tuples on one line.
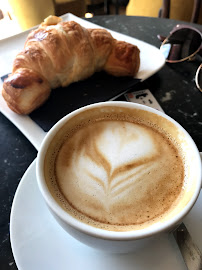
[(126, 241)]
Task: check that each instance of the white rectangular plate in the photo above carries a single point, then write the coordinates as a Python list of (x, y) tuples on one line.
[(151, 60)]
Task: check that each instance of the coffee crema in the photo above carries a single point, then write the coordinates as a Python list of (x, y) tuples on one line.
[(115, 172)]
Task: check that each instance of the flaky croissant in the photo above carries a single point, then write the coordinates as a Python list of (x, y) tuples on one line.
[(59, 53)]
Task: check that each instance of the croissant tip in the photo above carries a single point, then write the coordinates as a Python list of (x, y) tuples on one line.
[(51, 20)]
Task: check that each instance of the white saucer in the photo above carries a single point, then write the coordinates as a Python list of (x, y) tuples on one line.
[(39, 243)]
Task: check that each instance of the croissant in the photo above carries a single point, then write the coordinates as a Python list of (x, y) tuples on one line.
[(59, 53)]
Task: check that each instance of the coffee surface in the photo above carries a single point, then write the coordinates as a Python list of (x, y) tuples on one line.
[(116, 174)]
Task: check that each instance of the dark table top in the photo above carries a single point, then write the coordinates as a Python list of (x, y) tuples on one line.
[(173, 86)]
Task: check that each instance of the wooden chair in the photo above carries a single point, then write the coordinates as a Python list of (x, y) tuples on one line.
[(184, 10), (117, 5), (76, 7), (164, 11)]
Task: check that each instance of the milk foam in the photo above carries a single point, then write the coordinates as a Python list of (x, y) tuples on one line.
[(118, 173)]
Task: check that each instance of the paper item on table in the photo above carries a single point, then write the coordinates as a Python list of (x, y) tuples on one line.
[(144, 97)]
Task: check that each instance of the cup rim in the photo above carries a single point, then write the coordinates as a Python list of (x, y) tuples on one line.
[(102, 233)]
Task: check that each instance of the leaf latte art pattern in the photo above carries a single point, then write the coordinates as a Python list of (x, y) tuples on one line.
[(111, 171)]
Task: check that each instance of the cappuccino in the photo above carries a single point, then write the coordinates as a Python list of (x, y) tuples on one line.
[(115, 169)]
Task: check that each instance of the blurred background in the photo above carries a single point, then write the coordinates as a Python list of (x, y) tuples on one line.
[(20, 15)]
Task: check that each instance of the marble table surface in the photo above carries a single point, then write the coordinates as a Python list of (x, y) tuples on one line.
[(173, 86)]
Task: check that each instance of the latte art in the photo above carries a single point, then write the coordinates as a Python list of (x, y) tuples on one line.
[(118, 173)]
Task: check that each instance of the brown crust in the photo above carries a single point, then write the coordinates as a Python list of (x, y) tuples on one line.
[(124, 59), (25, 90)]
